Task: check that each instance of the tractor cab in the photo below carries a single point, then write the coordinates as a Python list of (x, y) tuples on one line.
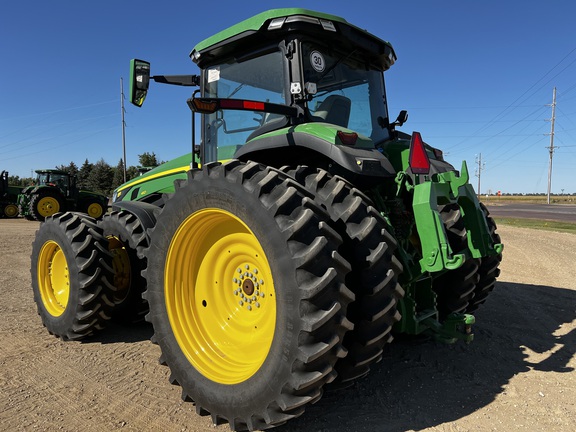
[(55, 178), (286, 78)]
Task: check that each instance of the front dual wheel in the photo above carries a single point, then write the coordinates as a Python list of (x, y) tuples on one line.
[(247, 295)]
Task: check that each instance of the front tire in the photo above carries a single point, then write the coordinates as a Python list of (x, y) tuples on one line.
[(247, 295), (71, 272)]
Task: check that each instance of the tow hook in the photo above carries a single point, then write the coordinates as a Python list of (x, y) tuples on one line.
[(456, 327)]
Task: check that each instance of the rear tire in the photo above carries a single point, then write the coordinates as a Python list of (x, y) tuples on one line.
[(455, 288), (94, 209), (488, 270), (71, 272), (10, 211), (374, 277), (44, 204), (247, 295), (127, 241)]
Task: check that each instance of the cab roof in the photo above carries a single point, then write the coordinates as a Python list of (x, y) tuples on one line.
[(50, 171), (274, 25)]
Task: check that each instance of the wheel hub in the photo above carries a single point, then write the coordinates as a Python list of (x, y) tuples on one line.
[(248, 287)]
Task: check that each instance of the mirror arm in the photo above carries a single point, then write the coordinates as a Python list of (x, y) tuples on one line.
[(183, 80)]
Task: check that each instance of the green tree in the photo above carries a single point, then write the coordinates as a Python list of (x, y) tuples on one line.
[(14, 180), (101, 177), (84, 174), (71, 169), (118, 178), (148, 159), (132, 172)]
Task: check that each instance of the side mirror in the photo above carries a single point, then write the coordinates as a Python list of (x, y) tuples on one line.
[(402, 118), (139, 81)]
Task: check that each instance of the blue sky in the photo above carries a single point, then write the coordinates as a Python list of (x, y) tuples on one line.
[(476, 77)]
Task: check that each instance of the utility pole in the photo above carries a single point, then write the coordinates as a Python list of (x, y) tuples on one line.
[(123, 126), (479, 170), (551, 148)]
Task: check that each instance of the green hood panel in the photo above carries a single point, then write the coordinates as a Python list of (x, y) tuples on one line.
[(324, 131), (159, 179)]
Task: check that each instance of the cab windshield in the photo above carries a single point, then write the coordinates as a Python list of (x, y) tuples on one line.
[(348, 94), (53, 179), (260, 79)]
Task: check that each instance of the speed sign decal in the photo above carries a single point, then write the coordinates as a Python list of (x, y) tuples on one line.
[(317, 61)]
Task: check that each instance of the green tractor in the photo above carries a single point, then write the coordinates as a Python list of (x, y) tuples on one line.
[(56, 191), (8, 197), (279, 256)]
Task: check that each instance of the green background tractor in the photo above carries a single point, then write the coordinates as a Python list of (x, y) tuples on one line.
[(278, 257), (8, 197), (56, 191)]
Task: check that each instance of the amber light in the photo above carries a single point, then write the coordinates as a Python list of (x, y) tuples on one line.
[(205, 106), (347, 138), (419, 162)]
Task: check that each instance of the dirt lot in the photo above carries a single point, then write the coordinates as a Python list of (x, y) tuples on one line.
[(517, 375)]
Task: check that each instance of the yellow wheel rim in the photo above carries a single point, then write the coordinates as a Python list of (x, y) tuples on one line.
[(220, 296), (53, 278), (11, 210), (121, 265), (95, 210), (47, 206)]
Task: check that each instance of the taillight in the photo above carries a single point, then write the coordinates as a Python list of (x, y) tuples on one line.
[(347, 138), (240, 104), (419, 162)]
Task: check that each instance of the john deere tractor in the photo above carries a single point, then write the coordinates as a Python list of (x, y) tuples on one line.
[(8, 197), (279, 256), (56, 191)]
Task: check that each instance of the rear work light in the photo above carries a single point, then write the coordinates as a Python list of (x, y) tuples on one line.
[(418, 160), (347, 138)]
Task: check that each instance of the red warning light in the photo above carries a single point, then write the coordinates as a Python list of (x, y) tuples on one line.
[(419, 162)]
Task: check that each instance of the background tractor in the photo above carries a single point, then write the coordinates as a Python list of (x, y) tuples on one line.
[(8, 197), (280, 255), (56, 191)]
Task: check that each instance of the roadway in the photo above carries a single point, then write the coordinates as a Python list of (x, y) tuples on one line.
[(552, 212)]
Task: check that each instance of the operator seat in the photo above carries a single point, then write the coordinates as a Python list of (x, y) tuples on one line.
[(335, 109)]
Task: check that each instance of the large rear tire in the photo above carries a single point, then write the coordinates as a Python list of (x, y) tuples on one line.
[(247, 295), (455, 288), (127, 241), (46, 203), (488, 270), (71, 273), (374, 277)]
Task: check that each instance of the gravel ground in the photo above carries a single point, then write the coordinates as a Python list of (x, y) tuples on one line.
[(517, 375)]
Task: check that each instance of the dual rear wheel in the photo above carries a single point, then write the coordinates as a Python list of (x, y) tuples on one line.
[(247, 294)]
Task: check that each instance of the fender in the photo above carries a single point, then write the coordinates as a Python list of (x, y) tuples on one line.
[(145, 212), (322, 138)]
